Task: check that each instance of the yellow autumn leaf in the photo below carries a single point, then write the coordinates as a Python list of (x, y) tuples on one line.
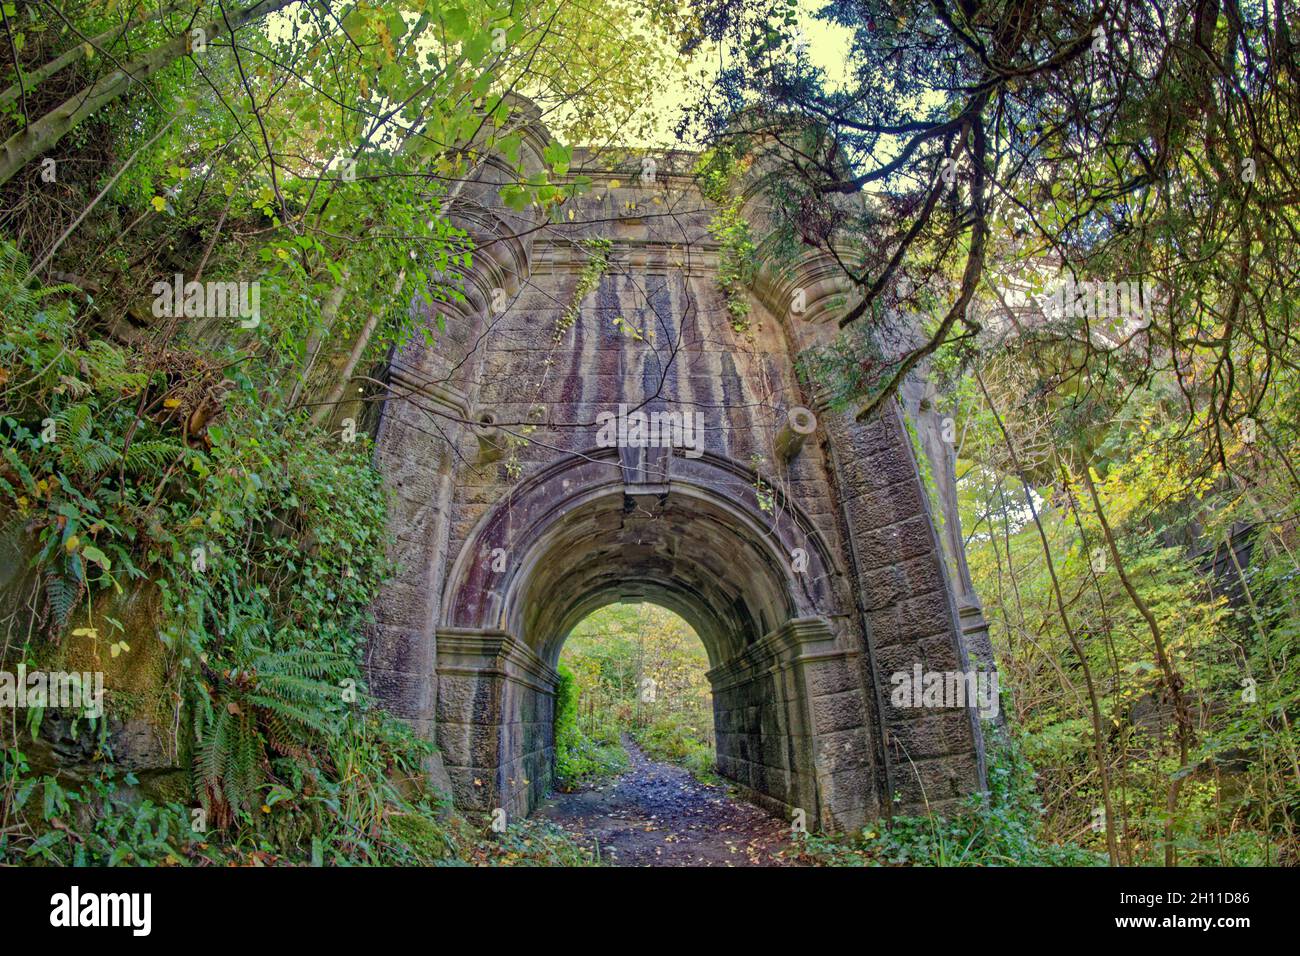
[(158, 203), (171, 402)]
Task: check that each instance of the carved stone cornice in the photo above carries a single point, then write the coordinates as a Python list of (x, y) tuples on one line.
[(472, 652), (411, 381), (798, 641)]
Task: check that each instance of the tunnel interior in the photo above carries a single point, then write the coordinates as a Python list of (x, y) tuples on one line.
[(683, 554)]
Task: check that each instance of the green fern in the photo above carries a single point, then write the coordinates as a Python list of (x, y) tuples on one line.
[(16, 296), (278, 703), (14, 461), (231, 765), (62, 594), (154, 456)]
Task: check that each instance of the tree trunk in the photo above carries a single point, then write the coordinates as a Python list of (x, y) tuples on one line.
[(77, 52), (42, 135), (323, 411)]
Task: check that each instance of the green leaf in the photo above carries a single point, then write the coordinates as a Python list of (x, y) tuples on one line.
[(456, 22)]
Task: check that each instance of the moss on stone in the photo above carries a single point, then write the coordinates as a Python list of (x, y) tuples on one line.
[(138, 689), (166, 786), (136, 679), (426, 840)]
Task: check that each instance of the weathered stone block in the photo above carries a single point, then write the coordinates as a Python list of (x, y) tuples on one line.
[(402, 694), (936, 779), (836, 712), (932, 734)]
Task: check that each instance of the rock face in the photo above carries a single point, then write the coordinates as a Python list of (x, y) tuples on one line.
[(803, 553)]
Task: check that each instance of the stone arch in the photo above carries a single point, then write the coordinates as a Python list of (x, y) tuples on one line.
[(714, 490), (689, 535)]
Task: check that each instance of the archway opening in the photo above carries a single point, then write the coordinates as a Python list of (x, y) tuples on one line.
[(633, 675)]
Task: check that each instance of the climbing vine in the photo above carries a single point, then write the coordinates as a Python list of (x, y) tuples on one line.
[(597, 265), (717, 171)]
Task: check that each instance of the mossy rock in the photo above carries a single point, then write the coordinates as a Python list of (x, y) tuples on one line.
[(137, 675), (139, 698), (167, 786), (425, 838)]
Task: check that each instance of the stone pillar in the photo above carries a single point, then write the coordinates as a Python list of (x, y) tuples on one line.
[(937, 439), (430, 407), (934, 755), (418, 469), (907, 598), (496, 720)]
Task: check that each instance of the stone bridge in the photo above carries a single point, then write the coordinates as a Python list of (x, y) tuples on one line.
[(798, 542)]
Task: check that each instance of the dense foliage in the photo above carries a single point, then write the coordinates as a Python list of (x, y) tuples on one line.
[(635, 670), (181, 502), (265, 552), (1179, 588)]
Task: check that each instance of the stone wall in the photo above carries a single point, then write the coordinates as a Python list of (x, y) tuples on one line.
[(511, 523), (792, 729)]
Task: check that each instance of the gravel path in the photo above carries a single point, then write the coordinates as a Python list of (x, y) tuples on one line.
[(659, 815)]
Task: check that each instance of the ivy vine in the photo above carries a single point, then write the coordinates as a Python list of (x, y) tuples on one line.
[(716, 174)]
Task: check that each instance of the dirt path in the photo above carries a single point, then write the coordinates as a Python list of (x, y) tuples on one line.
[(659, 815)]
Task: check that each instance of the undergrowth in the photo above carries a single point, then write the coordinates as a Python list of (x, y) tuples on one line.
[(165, 477), (671, 739), (1003, 828), (582, 757)]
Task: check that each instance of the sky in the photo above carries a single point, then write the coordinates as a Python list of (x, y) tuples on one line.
[(827, 45)]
